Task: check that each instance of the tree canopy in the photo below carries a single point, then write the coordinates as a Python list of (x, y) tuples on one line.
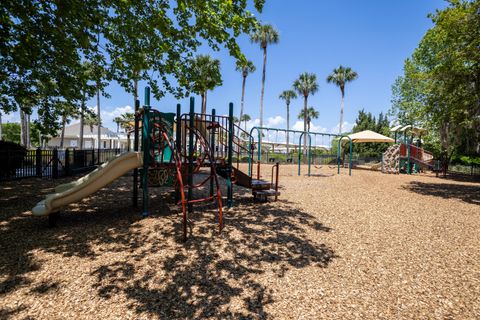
[(45, 45), (440, 87)]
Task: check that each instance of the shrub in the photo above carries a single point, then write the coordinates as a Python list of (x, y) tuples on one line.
[(11, 157)]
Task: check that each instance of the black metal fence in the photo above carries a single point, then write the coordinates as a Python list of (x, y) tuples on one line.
[(469, 170), (50, 163)]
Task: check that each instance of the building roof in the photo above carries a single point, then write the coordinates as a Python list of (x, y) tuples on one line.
[(73, 131)]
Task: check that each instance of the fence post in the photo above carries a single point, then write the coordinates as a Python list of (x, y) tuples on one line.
[(67, 162), (55, 164), (38, 162)]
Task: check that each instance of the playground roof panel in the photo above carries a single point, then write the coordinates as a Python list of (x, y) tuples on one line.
[(368, 136)]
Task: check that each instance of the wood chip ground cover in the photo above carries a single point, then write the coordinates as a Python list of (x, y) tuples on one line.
[(369, 246)]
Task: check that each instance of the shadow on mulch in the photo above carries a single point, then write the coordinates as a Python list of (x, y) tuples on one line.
[(200, 281), (260, 239), (467, 193)]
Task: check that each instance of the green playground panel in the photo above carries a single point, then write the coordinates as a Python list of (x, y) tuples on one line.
[(169, 119)]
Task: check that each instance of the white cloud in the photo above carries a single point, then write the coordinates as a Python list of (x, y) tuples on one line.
[(108, 116), (274, 122), (313, 128), (346, 127)]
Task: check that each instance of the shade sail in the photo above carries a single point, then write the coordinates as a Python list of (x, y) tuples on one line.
[(367, 136)]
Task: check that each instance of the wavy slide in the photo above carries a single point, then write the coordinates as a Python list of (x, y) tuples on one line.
[(86, 185)]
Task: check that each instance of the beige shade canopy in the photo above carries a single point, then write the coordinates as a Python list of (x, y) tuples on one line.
[(367, 136)]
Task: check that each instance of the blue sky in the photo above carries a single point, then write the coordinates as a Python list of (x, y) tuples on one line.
[(371, 37)]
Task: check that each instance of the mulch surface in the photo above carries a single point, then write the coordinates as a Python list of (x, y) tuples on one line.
[(369, 246)]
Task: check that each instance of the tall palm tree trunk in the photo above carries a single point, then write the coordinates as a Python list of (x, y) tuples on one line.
[(62, 135), (99, 121), (288, 128), (82, 120), (241, 104), (27, 130), (341, 116), (263, 85), (23, 134), (305, 103), (204, 103)]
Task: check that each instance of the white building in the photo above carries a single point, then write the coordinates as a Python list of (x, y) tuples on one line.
[(108, 138)]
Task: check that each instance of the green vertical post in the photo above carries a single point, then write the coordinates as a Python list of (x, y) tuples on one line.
[(135, 148), (338, 154), (212, 148), (309, 153), (230, 155), (250, 150), (299, 152), (178, 141), (191, 124), (146, 150), (259, 157), (350, 166)]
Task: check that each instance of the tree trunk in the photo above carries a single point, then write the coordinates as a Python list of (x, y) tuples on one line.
[(62, 135), (305, 103), (23, 133), (99, 120), (263, 86), (82, 118), (341, 117), (1, 126), (203, 110), (241, 104), (27, 131), (288, 128)]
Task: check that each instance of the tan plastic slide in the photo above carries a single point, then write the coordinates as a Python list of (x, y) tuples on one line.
[(85, 186)]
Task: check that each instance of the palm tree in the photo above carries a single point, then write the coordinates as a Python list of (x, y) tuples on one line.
[(264, 35), (245, 118), (305, 85), (340, 76), (118, 121), (90, 119), (245, 67), (126, 120), (311, 114), (68, 111), (206, 76), (288, 95)]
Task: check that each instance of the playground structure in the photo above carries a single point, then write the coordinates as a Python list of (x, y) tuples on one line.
[(303, 148), (404, 156), (182, 151)]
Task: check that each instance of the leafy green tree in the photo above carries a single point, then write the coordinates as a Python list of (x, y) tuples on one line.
[(11, 132), (205, 75), (264, 35), (245, 67), (287, 96), (49, 41), (306, 85), (440, 88), (366, 121), (340, 76), (310, 115)]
